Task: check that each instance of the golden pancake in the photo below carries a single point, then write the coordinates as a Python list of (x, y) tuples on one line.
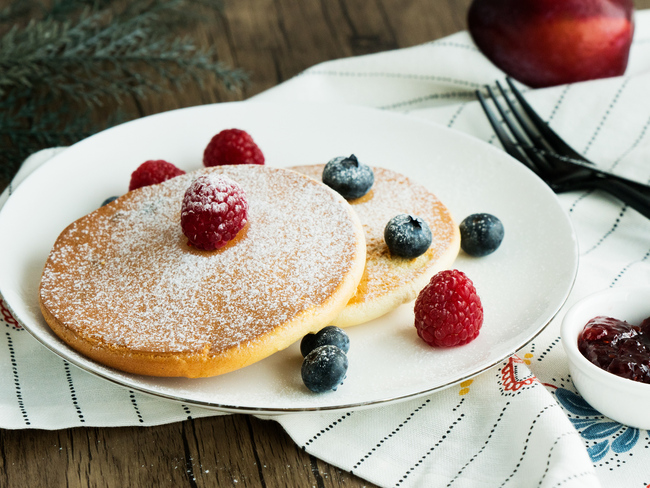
[(122, 286), (389, 281)]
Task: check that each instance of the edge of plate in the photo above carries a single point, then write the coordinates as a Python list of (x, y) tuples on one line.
[(286, 410)]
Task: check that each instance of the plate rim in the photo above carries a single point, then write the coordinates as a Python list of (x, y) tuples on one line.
[(273, 411)]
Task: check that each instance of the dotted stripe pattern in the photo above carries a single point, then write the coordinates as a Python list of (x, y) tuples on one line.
[(483, 447), (557, 105), (615, 225), (428, 98), (458, 45), (573, 477), (550, 454), (423, 458), (73, 392), (582, 197), (392, 434), (601, 123), (331, 426), (454, 117), (627, 267), (550, 347), (16, 376), (526, 443), (603, 120), (388, 74), (135, 406), (642, 134), (187, 411)]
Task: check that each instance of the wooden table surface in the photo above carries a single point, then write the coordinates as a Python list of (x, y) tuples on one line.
[(272, 40)]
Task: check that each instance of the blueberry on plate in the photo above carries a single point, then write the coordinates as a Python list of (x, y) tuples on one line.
[(481, 234), (108, 200), (407, 236), (307, 344), (348, 176), (327, 336), (324, 369)]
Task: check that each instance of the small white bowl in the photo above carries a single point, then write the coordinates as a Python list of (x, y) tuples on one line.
[(620, 399)]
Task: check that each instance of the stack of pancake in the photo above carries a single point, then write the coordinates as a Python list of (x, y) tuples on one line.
[(122, 286)]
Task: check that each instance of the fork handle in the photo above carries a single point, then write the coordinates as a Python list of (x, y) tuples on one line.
[(592, 172), (626, 193)]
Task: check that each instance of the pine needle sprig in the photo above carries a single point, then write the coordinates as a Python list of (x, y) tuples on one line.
[(76, 57), (16, 11), (59, 64)]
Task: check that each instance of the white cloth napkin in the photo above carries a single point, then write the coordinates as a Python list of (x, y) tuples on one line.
[(519, 424)]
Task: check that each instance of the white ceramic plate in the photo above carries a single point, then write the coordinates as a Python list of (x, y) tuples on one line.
[(522, 285)]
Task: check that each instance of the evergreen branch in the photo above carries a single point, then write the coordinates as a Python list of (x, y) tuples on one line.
[(58, 63), (42, 49)]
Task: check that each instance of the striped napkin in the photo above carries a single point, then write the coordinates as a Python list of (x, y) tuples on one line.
[(519, 424)]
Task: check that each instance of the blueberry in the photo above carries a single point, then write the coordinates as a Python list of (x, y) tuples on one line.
[(480, 234), (307, 344), (324, 369), (348, 176), (328, 336), (407, 236), (108, 200)]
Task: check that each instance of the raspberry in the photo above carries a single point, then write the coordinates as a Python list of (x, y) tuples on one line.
[(448, 312), (214, 210), (232, 146), (153, 172)]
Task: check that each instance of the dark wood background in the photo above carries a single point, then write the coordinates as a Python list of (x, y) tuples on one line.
[(272, 40)]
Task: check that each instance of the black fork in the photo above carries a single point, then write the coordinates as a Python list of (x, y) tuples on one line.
[(526, 137)]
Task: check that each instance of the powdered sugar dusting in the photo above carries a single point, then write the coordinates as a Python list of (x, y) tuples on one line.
[(124, 275), (214, 210)]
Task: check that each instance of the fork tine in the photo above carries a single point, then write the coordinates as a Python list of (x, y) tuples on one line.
[(533, 134), (560, 171), (510, 147), (560, 152), (537, 158), (551, 138)]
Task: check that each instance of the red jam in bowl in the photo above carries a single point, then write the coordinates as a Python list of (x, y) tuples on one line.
[(618, 347)]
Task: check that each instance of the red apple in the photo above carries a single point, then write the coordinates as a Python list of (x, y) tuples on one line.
[(552, 42)]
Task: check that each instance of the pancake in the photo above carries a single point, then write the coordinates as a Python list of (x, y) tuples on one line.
[(389, 281), (122, 287)]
